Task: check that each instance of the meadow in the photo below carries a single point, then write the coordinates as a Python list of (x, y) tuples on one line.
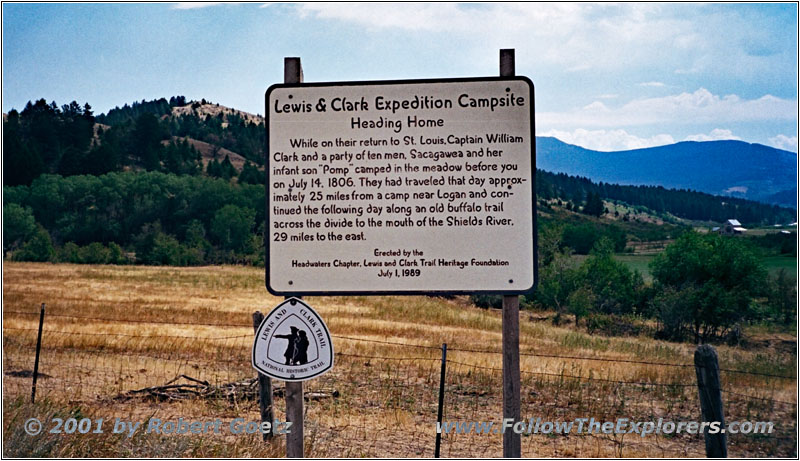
[(111, 331), (641, 263), (773, 264)]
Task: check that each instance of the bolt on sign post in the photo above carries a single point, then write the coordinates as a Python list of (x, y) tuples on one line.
[(405, 187)]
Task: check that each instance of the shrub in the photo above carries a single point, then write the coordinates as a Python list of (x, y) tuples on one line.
[(614, 287), (165, 251), (783, 297), (38, 248), (673, 311), (232, 227), (69, 253), (116, 255), (18, 225), (487, 301), (718, 277), (616, 325), (583, 237), (580, 303), (94, 253)]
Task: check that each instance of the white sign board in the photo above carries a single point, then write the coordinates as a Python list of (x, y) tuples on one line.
[(401, 187), (293, 343)]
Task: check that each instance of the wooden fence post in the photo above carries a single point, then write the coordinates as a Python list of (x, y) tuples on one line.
[(706, 366), (38, 351), (264, 387), (512, 442)]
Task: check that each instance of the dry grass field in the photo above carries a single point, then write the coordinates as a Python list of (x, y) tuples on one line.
[(110, 330)]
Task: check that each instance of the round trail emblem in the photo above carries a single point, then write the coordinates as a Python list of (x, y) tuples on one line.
[(293, 343)]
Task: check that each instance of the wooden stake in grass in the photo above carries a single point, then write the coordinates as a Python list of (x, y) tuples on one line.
[(707, 368), (264, 387)]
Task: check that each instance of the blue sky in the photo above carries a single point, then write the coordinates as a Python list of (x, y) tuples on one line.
[(607, 76)]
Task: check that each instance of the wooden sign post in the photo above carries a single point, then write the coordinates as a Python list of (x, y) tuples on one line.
[(372, 188), (293, 344), (512, 443), (293, 73)]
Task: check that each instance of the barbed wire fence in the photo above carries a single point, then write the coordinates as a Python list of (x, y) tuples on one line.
[(381, 398)]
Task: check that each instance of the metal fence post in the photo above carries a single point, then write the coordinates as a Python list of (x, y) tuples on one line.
[(38, 351), (441, 402)]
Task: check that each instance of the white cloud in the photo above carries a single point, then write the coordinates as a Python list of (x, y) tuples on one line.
[(579, 68), (408, 16), (564, 34), (695, 69), (194, 5), (784, 142), (717, 134), (624, 46), (686, 108), (656, 39), (608, 140), (596, 107)]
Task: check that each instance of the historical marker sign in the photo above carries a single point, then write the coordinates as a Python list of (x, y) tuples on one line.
[(401, 187), (293, 343)]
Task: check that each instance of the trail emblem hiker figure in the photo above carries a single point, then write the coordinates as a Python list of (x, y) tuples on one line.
[(293, 343), (296, 348)]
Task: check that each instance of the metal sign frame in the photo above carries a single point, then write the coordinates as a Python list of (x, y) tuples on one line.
[(534, 226)]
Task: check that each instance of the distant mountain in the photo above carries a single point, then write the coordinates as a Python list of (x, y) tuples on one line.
[(732, 168)]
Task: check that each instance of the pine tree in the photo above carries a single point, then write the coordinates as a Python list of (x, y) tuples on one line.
[(594, 205)]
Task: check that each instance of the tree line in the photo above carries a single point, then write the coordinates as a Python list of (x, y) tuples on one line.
[(583, 194), (69, 140), (149, 217), (229, 130)]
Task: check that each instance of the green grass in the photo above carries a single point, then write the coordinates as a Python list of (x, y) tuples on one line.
[(757, 232), (634, 262), (775, 263), (641, 263), (638, 263)]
